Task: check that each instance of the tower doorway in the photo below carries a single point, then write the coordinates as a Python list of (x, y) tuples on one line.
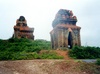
[(70, 43)]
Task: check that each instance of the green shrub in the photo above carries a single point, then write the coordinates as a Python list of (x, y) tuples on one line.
[(98, 62), (85, 52), (36, 55), (24, 56), (5, 55), (16, 49), (33, 49), (50, 55), (13, 40)]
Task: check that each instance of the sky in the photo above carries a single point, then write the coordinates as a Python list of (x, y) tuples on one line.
[(40, 14)]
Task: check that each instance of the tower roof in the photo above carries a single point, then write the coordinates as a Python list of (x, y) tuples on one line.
[(64, 16)]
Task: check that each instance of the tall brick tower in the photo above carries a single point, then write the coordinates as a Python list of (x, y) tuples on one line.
[(21, 30), (65, 33)]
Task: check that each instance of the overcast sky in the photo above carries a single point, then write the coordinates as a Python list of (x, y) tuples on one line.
[(40, 14)]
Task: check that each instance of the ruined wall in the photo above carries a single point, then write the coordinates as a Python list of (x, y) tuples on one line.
[(65, 33)]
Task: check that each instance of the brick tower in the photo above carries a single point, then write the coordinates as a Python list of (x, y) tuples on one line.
[(21, 30), (65, 33)]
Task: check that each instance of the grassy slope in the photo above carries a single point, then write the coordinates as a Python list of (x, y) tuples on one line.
[(18, 49)]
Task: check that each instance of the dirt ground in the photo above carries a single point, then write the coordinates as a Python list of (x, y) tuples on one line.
[(64, 66), (33, 67)]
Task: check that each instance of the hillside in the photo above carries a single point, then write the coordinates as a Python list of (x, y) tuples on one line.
[(36, 57)]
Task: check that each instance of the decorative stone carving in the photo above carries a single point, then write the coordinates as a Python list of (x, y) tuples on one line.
[(21, 30), (65, 33)]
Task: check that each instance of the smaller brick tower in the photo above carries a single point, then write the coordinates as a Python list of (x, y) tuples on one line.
[(21, 30), (65, 33)]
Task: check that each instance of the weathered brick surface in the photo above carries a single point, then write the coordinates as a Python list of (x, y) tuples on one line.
[(21, 30), (65, 33)]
